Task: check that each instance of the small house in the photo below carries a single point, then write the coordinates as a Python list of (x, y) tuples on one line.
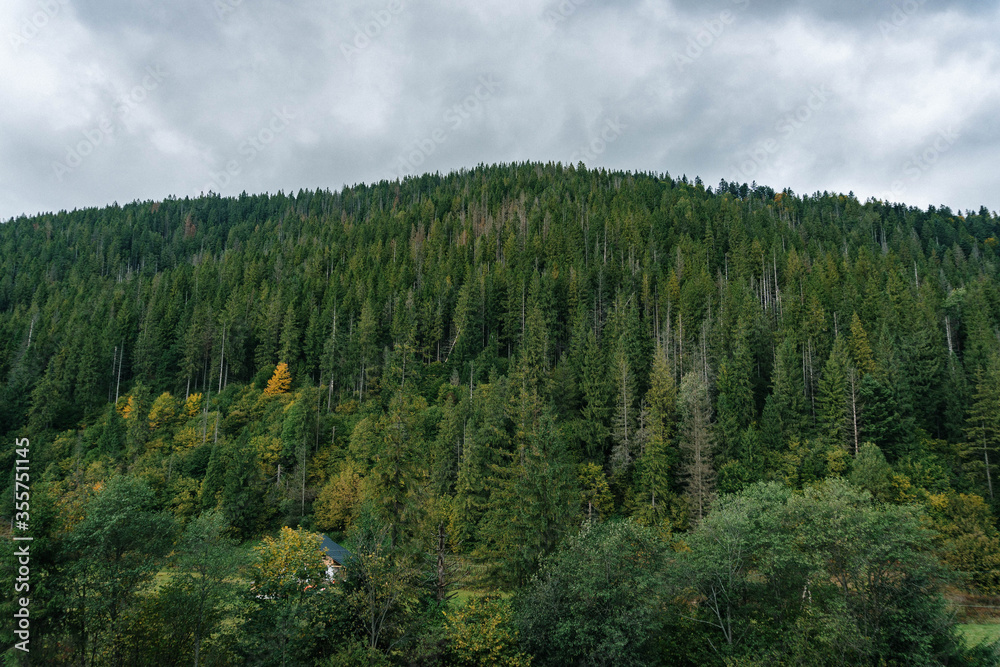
[(334, 555)]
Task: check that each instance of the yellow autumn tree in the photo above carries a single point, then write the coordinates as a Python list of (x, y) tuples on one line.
[(128, 409), (484, 632), (192, 406), (289, 563), (280, 382), (337, 502), (268, 449), (163, 411)]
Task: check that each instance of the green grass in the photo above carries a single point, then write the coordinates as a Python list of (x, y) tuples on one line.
[(463, 595), (979, 633)]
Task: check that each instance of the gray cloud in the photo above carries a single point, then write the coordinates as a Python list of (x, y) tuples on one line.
[(114, 101)]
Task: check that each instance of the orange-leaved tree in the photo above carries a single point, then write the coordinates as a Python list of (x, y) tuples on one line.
[(280, 382)]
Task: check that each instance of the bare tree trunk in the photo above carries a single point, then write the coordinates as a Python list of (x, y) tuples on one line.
[(442, 579), (854, 408), (222, 357), (986, 459), (119, 383)]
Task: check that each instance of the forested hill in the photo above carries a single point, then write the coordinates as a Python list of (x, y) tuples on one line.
[(496, 354)]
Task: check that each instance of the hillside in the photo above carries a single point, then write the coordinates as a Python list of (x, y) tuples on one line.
[(467, 367)]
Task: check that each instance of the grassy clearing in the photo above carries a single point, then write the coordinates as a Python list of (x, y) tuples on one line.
[(979, 633), (463, 595)]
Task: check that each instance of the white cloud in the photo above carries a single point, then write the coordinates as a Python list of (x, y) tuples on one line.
[(745, 103)]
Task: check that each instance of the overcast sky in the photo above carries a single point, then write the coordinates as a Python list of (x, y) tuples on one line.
[(118, 100)]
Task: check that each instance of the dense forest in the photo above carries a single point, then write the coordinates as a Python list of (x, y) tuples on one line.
[(558, 415)]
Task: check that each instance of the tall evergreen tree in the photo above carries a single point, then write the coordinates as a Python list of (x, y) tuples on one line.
[(697, 443), (983, 421)]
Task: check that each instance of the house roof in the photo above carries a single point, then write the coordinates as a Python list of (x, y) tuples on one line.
[(334, 550)]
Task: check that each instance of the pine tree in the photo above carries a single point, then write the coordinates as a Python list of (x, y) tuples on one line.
[(697, 442), (87, 391), (595, 494), (735, 402), (597, 392), (397, 478), (882, 422), (983, 421), (834, 399), (788, 390), (50, 401), (533, 502), (288, 345), (624, 431), (280, 382), (368, 346), (656, 463), (861, 349)]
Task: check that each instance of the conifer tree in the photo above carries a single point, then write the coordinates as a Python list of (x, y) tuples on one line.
[(597, 393), (788, 390), (861, 350), (983, 422), (280, 382), (655, 467), (288, 344), (368, 346), (533, 501), (624, 431), (735, 402), (834, 400), (697, 442)]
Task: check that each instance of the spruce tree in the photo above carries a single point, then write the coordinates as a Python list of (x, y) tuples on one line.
[(697, 443)]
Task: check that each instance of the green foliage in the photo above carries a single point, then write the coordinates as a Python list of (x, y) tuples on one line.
[(294, 613), (461, 347), (112, 552), (483, 632), (207, 561), (825, 573), (532, 505), (595, 601), (697, 442), (380, 588)]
